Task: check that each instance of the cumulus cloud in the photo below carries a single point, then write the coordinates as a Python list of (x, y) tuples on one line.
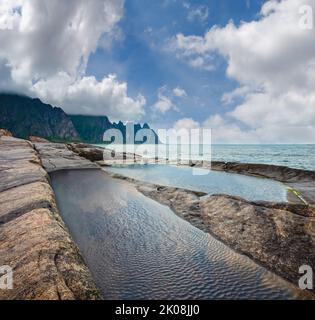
[(191, 50), (45, 47), (186, 123), (225, 131), (179, 92), (163, 105), (273, 59), (222, 130), (165, 102), (94, 97)]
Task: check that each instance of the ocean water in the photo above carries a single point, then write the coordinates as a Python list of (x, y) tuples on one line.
[(293, 156)]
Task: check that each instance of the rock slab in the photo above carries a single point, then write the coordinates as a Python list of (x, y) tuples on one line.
[(57, 156), (34, 241)]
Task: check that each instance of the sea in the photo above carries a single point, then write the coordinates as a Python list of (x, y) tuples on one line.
[(299, 156)]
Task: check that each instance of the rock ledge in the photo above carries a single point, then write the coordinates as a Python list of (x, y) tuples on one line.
[(34, 241)]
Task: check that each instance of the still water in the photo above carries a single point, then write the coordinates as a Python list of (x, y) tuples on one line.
[(139, 249), (211, 182)]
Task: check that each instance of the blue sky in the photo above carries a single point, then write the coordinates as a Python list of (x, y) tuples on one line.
[(140, 57), (244, 68)]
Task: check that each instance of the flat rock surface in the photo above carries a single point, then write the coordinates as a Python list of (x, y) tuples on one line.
[(46, 264), (280, 173), (16, 201), (280, 239), (306, 189), (34, 241), (56, 156), (19, 164)]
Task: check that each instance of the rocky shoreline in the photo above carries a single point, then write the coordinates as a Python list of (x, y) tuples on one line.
[(278, 236), (301, 183), (47, 264)]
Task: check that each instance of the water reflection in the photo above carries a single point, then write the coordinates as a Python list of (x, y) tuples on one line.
[(139, 249), (214, 182)]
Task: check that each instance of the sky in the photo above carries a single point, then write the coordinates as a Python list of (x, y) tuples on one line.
[(245, 69)]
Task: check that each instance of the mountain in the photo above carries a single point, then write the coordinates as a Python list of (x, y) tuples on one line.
[(24, 117), (91, 128)]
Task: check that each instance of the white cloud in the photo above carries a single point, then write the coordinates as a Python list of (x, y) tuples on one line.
[(191, 50), (113, 36), (229, 97), (186, 123), (179, 92), (164, 102), (224, 131), (94, 97), (273, 59), (198, 13), (45, 47)]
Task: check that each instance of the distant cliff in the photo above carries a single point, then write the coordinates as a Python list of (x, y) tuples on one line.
[(24, 117), (91, 128)]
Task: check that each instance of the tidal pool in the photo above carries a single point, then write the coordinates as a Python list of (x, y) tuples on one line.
[(211, 182), (139, 249)]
